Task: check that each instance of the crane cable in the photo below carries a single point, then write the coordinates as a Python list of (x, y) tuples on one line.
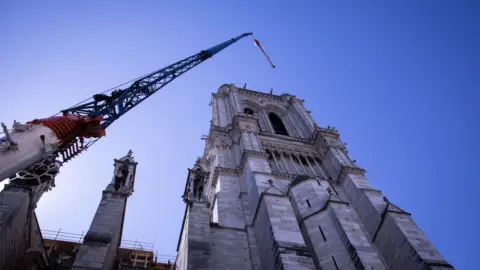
[(111, 89), (106, 91), (91, 142), (257, 43)]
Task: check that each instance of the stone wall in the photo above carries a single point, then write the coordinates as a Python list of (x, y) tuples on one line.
[(208, 246), (103, 238), (228, 208), (401, 242), (13, 213), (279, 238)]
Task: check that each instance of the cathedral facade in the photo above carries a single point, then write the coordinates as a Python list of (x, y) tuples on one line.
[(275, 191)]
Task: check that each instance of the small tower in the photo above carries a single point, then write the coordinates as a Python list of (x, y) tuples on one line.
[(196, 180), (103, 239)]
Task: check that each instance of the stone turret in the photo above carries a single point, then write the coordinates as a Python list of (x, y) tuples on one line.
[(102, 240)]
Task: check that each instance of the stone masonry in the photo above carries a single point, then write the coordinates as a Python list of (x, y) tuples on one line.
[(21, 244), (275, 191), (102, 240)]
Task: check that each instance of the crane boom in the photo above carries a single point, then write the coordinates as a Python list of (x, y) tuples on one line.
[(28, 152), (112, 108)]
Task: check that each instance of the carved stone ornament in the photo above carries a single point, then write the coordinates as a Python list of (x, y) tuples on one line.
[(244, 122), (290, 148), (223, 91), (334, 143), (288, 98), (257, 94), (220, 141), (208, 160), (249, 127)]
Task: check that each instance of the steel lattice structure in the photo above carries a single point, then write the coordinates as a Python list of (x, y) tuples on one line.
[(121, 101)]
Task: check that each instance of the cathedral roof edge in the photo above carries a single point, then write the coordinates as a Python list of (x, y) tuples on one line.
[(244, 90)]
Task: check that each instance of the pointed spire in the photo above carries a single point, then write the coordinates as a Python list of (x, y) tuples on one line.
[(128, 156)]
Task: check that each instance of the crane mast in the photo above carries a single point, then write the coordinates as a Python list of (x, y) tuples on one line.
[(29, 152)]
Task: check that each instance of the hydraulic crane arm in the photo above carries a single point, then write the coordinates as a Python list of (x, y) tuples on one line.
[(30, 150), (121, 101)]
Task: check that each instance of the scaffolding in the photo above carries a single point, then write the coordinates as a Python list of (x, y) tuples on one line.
[(131, 255)]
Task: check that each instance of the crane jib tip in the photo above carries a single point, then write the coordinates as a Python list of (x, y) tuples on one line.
[(257, 43)]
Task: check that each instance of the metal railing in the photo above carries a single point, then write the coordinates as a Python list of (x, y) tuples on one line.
[(78, 238), (63, 236), (60, 235)]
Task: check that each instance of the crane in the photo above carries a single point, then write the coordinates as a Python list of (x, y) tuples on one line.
[(30, 152)]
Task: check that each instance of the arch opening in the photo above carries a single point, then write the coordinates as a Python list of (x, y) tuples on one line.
[(248, 111), (277, 124)]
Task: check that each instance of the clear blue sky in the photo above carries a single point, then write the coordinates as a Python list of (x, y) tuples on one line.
[(399, 79)]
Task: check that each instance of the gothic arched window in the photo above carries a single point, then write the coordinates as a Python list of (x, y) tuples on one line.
[(277, 124), (248, 111)]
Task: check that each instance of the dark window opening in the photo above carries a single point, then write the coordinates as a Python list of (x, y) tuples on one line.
[(303, 160), (308, 202), (323, 235), (270, 156), (197, 188), (318, 160), (248, 111), (277, 124)]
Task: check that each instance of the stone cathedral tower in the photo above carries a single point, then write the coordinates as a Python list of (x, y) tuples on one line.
[(275, 191)]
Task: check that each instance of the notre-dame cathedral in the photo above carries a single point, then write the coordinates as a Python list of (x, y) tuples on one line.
[(273, 190)]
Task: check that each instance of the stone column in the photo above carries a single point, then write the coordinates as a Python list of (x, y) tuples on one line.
[(309, 123), (392, 230), (279, 239), (330, 227), (401, 243)]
